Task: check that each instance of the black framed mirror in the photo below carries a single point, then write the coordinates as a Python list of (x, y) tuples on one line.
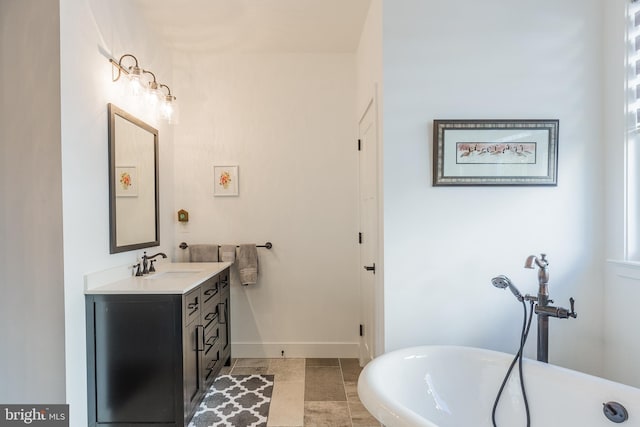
[(133, 182)]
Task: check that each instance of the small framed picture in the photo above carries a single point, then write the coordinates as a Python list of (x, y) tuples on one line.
[(226, 180), (126, 181), (495, 152)]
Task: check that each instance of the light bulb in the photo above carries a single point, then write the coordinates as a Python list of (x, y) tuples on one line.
[(153, 96), (169, 109), (136, 85)]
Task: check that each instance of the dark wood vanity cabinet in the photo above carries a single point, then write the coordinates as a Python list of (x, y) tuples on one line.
[(151, 357)]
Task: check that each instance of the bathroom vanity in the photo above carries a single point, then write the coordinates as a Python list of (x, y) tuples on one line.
[(155, 343)]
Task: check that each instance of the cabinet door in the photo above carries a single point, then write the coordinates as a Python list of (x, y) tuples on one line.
[(133, 347), (192, 354), (192, 351)]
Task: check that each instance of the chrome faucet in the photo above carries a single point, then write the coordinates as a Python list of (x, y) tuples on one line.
[(146, 259), (542, 309)]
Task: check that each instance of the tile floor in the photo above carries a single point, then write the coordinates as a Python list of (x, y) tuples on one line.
[(310, 392)]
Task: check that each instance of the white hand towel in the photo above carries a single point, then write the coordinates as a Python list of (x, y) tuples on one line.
[(203, 253), (248, 264), (228, 253)]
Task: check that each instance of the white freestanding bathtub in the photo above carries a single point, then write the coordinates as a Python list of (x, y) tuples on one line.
[(448, 386)]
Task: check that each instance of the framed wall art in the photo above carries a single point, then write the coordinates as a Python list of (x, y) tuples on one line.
[(226, 180), (495, 152)]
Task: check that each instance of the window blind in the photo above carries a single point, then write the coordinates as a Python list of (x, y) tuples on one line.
[(633, 77), (632, 143)]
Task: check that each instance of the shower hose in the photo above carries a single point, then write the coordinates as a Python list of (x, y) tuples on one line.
[(523, 339)]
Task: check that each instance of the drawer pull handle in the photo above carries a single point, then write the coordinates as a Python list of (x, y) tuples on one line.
[(198, 338), (193, 305), (193, 308), (222, 312)]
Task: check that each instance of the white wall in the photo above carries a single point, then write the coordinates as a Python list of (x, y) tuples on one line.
[(622, 346), (288, 121), (483, 60), (622, 280), (31, 273), (91, 32)]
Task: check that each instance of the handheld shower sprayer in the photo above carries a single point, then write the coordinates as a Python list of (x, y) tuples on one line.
[(504, 282)]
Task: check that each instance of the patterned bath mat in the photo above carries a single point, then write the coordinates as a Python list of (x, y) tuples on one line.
[(237, 401)]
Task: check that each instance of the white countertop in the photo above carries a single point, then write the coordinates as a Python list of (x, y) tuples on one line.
[(170, 278)]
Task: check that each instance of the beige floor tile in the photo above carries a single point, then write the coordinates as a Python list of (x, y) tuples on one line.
[(252, 363), (350, 369), (244, 370), (326, 414), (360, 417), (287, 404), (351, 389), (287, 369), (225, 370), (322, 362), (323, 384)]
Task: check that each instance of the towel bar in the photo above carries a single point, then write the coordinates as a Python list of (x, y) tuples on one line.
[(267, 245)]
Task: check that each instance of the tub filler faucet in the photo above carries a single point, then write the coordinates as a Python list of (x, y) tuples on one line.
[(542, 309)]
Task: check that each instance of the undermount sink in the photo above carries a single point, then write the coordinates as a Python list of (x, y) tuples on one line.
[(174, 274)]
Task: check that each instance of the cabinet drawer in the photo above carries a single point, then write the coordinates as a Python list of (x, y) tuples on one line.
[(210, 317), (210, 290), (191, 307), (211, 338), (212, 364), (223, 277)]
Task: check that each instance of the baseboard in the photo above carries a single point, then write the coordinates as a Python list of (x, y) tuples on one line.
[(295, 349)]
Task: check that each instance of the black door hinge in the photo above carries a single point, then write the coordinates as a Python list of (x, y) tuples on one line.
[(370, 268), (360, 238), (359, 145), (361, 330)]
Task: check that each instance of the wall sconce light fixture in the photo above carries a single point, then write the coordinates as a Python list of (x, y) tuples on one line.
[(150, 89), (168, 106)]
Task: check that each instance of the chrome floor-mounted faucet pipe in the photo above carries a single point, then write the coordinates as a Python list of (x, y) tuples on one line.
[(543, 310)]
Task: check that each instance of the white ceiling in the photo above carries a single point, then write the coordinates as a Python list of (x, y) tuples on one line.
[(257, 25)]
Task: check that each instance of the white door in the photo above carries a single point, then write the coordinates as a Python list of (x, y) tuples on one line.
[(368, 166)]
